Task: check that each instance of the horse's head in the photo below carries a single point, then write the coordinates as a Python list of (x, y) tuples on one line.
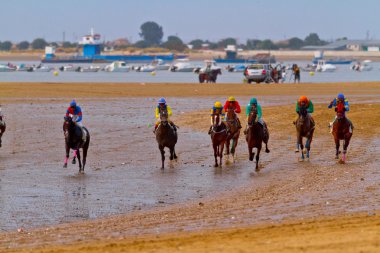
[(302, 112), (67, 125), (340, 110), (217, 72), (252, 114), (216, 121), (230, 113), (164, 117)]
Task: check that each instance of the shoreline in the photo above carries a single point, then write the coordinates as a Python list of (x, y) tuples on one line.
[(200, 55)]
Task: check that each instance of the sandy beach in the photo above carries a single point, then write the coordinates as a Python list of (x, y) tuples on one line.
[(289, 206)]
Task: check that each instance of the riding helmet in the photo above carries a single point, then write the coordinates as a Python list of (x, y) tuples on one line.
[(73, 103), (162, 101), (218, 104), (231, 99), (303, 99), (340, 96), (253, 101)]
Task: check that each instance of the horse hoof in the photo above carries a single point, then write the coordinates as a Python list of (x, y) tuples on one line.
[(65, 165), (216, 165), (74, 162), (251, 158), (81, 171), (336, 157), (171, 158), (257, 169), (342, 161), (267, 151)]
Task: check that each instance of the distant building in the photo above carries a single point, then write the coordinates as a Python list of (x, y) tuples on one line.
[(353, 45)]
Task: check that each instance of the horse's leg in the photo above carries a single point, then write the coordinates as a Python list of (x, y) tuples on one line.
[(258, 157), (67, 155), (301, 147), (162, 155), (221, 147), (228, 149), (171, 153), (233, 148), (345, 146), (216, 154), (85, 149), (75, 155), (251, 154), (174, 154), (79, 161), (299, 140), (337, 144)]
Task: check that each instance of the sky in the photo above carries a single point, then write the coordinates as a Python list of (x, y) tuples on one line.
[(190, 19)]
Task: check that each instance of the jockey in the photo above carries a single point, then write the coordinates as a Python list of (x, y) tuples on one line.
[(163, 106), (304, 101), (340, 99), (260, 120), (215, 110), (76, 113), (234, 104)]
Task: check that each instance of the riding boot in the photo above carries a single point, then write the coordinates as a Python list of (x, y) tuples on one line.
[(155, 128), (238, 123)]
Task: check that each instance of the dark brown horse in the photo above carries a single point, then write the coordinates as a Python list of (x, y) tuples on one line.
[(234, 133), (3, 126), (209, 77), (218, 138), (305, 129), (341, 131), (166, 136), (255, 136), (74, 140)]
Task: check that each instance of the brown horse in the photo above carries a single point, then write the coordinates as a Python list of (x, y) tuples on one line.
[(3, 126), (341, 131), (209, 77), (166, 136), (255, 136), (74, 141), (234, 133), (305, 129), (218, 138)]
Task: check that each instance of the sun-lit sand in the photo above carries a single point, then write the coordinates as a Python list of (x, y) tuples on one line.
[(336, 230)]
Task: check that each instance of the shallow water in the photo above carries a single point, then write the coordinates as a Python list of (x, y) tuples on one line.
[(342, 74)]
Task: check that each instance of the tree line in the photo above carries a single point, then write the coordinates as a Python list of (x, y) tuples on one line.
[(151, 35)]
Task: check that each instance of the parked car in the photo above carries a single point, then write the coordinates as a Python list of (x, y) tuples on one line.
[(258, 73)]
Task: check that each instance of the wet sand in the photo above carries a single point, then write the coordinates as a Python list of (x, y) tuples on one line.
[(278, 209)]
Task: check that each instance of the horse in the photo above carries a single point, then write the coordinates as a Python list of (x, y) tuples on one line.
[(234, 133), (209, 77), (255, 136), (74, 141), (304, 128), (341, 131), (166, 136), (3, 126), (218, 138)]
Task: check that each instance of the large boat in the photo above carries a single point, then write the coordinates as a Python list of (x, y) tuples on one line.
[(318, 55), (233, 58), (92, 54)]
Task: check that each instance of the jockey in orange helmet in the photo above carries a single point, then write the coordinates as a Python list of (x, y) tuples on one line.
[(304, 101), (163, 106), (234, 104), (217, 109)]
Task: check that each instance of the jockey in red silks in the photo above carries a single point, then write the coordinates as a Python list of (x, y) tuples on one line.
[(234, 104), (340, 99), (75, 112)]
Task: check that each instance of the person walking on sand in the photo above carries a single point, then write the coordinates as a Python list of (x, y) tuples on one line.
[(296, 73)]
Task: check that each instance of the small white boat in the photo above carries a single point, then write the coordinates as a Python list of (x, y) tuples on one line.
[(69, 68), (322, 66), (89, 69), (6, 68), (362, 66), (42, 68), (23, 68), (146, 68), (160, 65), (117, 66), (182, 65)]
